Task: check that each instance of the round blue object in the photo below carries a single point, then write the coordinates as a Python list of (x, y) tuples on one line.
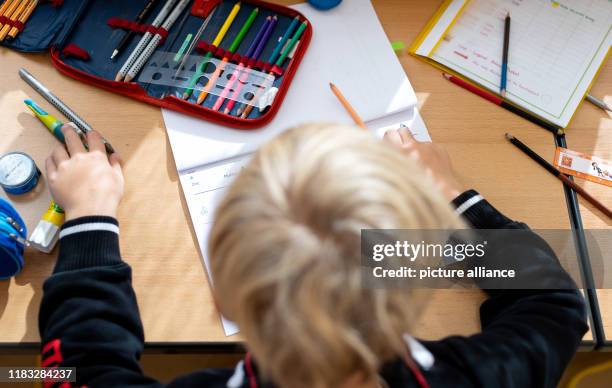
[(324, 4), (12, 235), (18, 173)]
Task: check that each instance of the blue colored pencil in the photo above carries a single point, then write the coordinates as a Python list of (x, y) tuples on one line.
[(504, 69)]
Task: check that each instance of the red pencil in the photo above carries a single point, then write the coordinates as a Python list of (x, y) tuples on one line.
[(499, 101)]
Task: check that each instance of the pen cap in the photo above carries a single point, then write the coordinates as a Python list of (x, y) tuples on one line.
[(53, 124)]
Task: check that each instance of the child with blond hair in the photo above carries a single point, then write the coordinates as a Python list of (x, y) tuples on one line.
[(286, 265)]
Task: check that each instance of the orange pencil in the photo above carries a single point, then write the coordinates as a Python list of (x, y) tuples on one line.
[(24, 18), (18, 8), (347, 106), (7, 8)]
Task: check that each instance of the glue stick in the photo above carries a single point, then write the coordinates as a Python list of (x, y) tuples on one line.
[(46, 234)]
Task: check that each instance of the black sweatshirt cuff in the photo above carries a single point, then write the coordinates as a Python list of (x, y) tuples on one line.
[(481, 214), (85, 242)]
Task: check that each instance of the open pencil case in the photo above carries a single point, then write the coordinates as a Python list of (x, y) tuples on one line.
[(249, 75)]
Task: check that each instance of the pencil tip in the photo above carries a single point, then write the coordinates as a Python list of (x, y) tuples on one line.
[(226, 111), (446, 75), (509, 136), (331, 85), (503, 93), (508, 14)]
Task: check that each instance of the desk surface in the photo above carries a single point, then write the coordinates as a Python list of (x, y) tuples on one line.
[(172, 288)]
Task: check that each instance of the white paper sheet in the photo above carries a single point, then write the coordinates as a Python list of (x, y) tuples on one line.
[(350, 48), (205, 186), (556, 48)]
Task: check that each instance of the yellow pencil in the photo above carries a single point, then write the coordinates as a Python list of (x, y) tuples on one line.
[(347, 106), (24, 18), (218, 39), (18, 9), (4, 7)]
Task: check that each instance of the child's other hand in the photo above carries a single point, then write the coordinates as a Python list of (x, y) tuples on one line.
[(84, 183), (432, 157)]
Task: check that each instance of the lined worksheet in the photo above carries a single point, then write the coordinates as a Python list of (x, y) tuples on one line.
[(556, 49)]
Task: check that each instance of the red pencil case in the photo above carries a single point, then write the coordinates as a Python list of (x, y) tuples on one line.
[(81, 36)]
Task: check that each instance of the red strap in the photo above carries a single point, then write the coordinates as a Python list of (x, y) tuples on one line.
[(277, 70), (201, 8), (12, 23), (19, 25), (204, 47), (125, 24), (56, 3), (72, 50), (220, 52)]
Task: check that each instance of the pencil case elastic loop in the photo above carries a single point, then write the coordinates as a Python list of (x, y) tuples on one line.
[(125, 24), (55, 3), (74, 51), (11, 23)]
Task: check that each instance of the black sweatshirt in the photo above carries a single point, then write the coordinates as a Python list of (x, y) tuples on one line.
[(89, 319)]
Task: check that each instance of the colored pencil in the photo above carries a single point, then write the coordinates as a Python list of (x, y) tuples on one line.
[(236, 74), (279, 62), (233, 47), (24, 18), (504, 68), (144, 41), (156, 41), (566, 181), (277, 50), (498, 101), (216, 42), (351, 111), (4, 8), (245, 77), (194, 42), (140, 18), (13, 12)]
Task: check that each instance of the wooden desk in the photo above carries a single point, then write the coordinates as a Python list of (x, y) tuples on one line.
[(156, 235), (592, 133)]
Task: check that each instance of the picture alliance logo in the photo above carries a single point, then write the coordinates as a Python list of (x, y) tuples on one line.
[(413, 252)]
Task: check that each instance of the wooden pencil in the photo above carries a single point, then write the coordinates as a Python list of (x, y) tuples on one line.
[(24, 18), (17, 9), (7, 9), (347, 106), (566, 181)]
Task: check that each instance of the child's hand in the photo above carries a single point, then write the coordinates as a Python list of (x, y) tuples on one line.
[(84, 183), (432, 157)]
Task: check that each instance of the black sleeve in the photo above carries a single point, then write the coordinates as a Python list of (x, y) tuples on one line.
[(528, 336), (89, 317)]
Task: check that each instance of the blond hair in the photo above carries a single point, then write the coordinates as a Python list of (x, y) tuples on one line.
[(285, 252)]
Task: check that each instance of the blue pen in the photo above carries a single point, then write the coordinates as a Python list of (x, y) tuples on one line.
[(281, 44), (504, 68)]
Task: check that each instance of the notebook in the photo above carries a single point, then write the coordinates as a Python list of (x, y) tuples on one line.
[(350, 48), (556, 49)]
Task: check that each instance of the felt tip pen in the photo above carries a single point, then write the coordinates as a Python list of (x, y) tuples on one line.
[(53, 124)]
